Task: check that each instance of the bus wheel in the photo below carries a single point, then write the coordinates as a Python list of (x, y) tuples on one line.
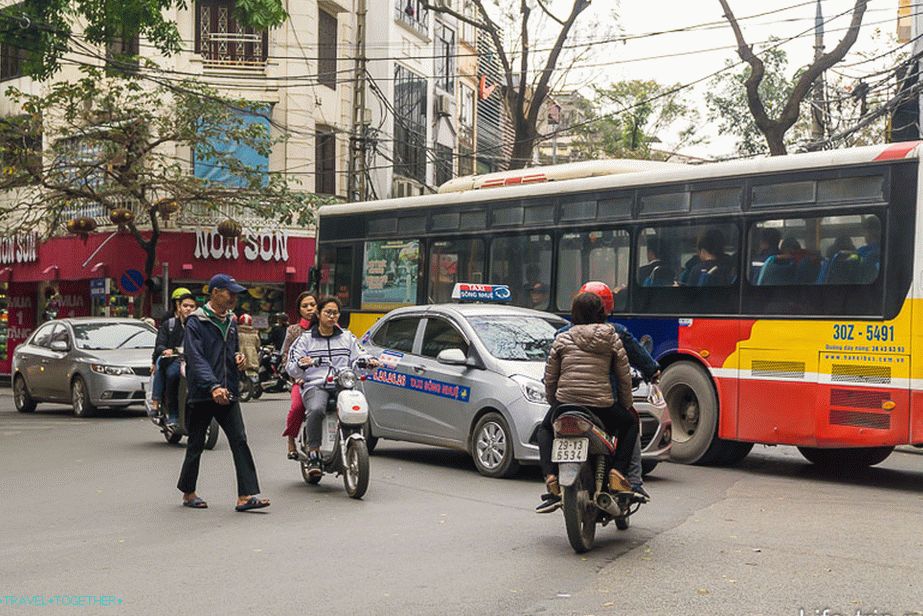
[(693, 406), (846, 458)]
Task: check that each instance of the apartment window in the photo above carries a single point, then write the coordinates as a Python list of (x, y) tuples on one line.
[(468, 31), (443, 164), (222, 40), (445, 58), (327, 50), (11, 59), (466, 106), (465, 160), (411, 13), (325, 163), (409, 124)]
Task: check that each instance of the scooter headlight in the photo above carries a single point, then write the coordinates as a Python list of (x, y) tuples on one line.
[(347, 379)]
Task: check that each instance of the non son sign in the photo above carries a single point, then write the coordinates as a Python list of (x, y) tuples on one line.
[(262, 246)]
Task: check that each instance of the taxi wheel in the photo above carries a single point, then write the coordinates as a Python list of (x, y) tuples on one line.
[(370, 441), (492, 447)]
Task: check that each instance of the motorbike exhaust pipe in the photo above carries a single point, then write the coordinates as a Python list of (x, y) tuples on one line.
[(605, 502)]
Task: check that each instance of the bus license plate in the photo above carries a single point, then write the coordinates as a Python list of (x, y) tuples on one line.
[(570, 449)]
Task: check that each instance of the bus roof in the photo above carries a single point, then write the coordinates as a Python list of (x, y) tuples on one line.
[(657, 175)]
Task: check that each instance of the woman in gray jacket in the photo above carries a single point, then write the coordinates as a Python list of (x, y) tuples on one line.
[(578, 372), (335, 346)]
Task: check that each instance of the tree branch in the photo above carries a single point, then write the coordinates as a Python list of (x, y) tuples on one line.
[(547, 11)]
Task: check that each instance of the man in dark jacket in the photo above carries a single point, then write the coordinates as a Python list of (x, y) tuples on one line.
[(166, 349), (213, 361)]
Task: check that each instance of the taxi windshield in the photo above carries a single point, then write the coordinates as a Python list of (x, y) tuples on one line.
[(517, 338)]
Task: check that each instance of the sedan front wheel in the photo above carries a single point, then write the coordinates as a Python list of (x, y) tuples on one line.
[(80, 398), (492, 447), (21, 397)]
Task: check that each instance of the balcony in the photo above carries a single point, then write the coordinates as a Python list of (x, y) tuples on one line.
[(223, 42)]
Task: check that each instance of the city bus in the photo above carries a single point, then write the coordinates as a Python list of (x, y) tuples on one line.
[(781, 296)]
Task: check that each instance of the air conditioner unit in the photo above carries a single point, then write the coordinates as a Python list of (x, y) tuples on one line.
[(443, 105)]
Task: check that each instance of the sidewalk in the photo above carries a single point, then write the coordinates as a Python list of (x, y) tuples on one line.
[(910, 449)]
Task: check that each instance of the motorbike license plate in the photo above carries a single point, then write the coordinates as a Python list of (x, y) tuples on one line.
[(570, 449)]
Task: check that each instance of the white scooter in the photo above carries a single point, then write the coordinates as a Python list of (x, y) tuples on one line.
[(343, 448)]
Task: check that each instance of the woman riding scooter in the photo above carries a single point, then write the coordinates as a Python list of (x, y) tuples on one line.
[(577, 372), (333, 346), (166, 350), (307, 310)]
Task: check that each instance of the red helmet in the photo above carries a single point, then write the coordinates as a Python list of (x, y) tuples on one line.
[(602, 290), (245, 319)]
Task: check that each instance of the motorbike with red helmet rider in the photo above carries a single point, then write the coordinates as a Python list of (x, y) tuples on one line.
[(641, 361)]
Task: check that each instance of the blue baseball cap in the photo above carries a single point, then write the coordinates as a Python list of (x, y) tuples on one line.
[(223, 281)]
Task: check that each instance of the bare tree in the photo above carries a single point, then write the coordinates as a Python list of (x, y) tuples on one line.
[(774, 129), (524, 93)]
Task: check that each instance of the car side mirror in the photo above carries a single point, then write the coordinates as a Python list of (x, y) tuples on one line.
[(60, 346), (452, 357)]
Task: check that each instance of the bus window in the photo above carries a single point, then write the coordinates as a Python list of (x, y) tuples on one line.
[(336, 275), (593, 255), (688, 256), (451, 262), (524, 263), (833, 250), (389, 274)]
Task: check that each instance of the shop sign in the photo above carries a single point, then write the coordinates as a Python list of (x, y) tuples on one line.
[(97, 287), (257, 246), (19, 248)]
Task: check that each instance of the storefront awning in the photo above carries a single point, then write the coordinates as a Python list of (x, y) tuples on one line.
[(52, 271)]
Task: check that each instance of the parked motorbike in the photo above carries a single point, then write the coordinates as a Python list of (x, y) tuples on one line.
[(174, 433), (270, 377), (583, 451), (343, 447)]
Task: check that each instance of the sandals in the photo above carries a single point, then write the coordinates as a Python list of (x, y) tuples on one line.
[(293, 455), (252, 503), (195, 503)]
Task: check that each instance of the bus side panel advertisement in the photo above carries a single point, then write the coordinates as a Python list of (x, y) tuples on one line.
[(390, 274)]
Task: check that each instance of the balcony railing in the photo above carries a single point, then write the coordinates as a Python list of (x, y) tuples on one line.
[(240, 50)]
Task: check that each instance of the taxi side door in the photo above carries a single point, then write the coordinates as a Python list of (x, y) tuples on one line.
[(386, 390)]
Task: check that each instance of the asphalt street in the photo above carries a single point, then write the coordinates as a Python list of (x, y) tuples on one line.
[(89, 507)]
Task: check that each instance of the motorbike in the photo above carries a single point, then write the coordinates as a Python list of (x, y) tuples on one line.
[(343, 447), (270, 377), (582, 450), (174, 433)]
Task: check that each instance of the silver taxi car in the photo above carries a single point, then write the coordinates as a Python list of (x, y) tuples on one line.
[(468, 376)]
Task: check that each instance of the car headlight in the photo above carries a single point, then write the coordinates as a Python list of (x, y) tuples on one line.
[(534, 391), (347, 379), (111, 370)]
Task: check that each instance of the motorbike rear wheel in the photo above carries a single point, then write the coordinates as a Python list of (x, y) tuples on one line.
[(246, 389), (171, 435), (580, 512), (356, 473), (211, 435)]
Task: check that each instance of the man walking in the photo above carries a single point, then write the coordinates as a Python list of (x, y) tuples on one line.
[(213, 362)]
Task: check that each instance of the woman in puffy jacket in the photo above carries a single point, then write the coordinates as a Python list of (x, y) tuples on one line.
[(325, 341), (578, 372)]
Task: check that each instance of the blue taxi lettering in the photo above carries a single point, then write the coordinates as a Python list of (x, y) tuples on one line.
[(423, 385)]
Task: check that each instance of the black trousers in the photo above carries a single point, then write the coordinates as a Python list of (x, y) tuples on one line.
[(618, 422), (198, 417)]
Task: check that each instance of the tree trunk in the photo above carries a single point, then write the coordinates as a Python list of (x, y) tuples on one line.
[(775, 138)]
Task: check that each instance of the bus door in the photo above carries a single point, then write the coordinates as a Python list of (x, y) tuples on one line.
[(778, 385)]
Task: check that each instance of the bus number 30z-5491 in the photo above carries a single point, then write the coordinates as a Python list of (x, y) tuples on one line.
[(879, 333)]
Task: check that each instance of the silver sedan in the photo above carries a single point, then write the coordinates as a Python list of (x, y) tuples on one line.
[(468, 376), (87, 362)]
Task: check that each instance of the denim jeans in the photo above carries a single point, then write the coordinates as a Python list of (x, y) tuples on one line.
[(166, 376)]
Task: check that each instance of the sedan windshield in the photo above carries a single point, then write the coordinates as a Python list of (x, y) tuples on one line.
[(110, 336), (516, 338)]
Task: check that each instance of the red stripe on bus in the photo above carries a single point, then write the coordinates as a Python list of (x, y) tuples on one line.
[(898, 150)]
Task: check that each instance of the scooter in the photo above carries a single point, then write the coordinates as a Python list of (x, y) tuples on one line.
[(343, 447), (270, 377), (174, 433)]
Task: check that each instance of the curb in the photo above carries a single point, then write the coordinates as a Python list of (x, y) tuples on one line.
[(910, 449)]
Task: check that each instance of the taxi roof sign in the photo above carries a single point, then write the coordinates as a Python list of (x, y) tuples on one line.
[(471, 292)]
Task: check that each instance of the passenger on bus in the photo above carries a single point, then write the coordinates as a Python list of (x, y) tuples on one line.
[(711, 266), (768, 246), (538, 296), (657, 272), (870, 254), (782, 268)]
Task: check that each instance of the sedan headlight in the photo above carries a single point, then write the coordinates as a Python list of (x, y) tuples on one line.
[(347, 379), (534, 391), (111, 370)]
